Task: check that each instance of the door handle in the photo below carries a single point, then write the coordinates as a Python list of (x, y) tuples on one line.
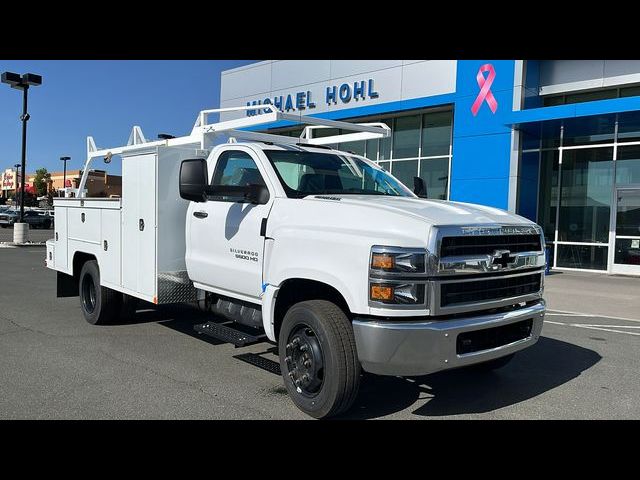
[(200, 214)]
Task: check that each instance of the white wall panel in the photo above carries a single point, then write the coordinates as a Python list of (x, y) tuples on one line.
[(346, 68), (393, 80), (293, 73), (428, 78)]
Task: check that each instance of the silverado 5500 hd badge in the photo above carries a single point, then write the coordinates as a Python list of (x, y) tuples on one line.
[(244, 254)]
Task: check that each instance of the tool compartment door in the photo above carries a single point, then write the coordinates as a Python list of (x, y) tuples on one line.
[(60, 236), (139, 224)]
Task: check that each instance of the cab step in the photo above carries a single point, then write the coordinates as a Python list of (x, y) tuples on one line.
[(260, 362), (228, 334)]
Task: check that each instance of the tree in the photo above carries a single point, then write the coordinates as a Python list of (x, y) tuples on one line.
[(41, 181)]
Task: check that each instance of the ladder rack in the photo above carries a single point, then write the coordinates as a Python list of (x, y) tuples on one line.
[(203, 133)]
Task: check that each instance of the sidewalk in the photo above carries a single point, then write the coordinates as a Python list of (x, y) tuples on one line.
[(593, 293)]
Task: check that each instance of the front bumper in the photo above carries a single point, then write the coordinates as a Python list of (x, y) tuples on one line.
[(423, 347)]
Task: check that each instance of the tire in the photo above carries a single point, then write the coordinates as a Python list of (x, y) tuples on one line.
[(46, 225), (100, 305), (492, 364), (332, 388), (4, 226)]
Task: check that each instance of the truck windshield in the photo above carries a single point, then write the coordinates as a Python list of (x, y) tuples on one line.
[(309, 173)]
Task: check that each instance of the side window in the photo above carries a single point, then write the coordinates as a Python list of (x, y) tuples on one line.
[(236, 169)]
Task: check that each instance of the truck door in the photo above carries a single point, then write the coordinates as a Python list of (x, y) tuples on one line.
[(224, 245)]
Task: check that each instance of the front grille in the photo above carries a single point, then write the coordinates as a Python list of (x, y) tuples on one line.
[(488, 289), (487, 244), (479, 340)]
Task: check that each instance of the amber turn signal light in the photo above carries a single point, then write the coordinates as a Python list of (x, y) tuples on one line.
[(380, 292), (382, 260)]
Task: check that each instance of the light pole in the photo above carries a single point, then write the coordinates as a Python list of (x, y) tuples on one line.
[(17, 165), (64, 174), (22, 82)]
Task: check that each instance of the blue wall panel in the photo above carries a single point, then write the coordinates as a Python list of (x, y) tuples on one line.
[(482, 142)]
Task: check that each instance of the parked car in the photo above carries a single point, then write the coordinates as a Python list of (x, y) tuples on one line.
[(33, 218)]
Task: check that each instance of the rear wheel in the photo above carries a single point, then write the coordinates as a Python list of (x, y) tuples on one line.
[(318, 358), (100, 305)]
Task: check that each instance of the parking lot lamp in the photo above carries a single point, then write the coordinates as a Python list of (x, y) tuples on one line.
[(64, 174), (17, 181), (22, 82)]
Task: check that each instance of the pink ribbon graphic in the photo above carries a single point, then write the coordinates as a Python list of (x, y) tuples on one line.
[(485, 89)]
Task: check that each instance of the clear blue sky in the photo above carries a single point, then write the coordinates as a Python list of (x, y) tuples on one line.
[(104, 99)]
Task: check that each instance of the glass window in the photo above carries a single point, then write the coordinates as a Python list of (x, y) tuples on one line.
[(386, 166), (591, 96), (436, 133), (354, 147), (325, 132), (627, 251), (586, 183), (385, 143), (548, 195), (372, 149), (327, 173), (405, 171), (552, 101), (628, 213), (582, 256), (629, 127), (589, 130), (550, 134), (628, 165), (630, 91), (435, 173), (406, 136), (236, 168)]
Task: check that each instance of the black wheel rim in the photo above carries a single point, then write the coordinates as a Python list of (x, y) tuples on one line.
[(305, 361), (88, 294)]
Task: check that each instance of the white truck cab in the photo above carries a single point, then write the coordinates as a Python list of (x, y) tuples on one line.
[(321, 251)]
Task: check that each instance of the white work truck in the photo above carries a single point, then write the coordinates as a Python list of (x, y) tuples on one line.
[(321, 251)]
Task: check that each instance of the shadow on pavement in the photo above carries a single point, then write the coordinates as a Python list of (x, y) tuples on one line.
[(180, 318), (547, 365)]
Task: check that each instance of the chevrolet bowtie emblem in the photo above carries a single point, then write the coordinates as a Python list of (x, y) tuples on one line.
[(502, 258)]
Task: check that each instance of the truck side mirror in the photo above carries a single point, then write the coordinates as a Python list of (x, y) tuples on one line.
[(193, 179), (419, 187)]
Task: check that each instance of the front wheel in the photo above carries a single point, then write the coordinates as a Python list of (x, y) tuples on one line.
[(100, 305), (318, 358)]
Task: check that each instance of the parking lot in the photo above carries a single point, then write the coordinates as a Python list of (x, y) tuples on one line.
[(36, 235), (54, 365)]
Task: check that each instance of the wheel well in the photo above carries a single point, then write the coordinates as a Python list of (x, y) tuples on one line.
[(79, 259), (297, 290)]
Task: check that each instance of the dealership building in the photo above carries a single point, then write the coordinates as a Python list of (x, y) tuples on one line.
[(555, 141)]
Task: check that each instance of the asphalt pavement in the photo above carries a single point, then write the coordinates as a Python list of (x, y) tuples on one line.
[(36, 235), (54, 365)]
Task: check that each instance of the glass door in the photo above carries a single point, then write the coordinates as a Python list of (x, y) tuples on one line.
[(627, 232)]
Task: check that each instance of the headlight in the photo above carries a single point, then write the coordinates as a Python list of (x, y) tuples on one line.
[(401, 294), (391, 272), (397, 260)]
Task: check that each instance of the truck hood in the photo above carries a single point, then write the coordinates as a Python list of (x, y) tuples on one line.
[(435, 212)]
